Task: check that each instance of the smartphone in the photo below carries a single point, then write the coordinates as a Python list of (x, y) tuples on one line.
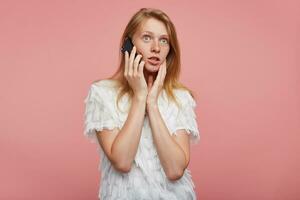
[(127, 45)]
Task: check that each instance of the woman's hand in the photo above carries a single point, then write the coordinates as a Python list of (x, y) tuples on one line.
[(134, 74), (156, 87)]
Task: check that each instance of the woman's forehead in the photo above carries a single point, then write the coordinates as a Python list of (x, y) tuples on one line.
[(153, 26)]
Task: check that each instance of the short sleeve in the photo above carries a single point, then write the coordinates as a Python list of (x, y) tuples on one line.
[(186, 118), (99, 113)]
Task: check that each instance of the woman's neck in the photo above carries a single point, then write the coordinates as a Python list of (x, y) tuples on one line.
[(148, 75)]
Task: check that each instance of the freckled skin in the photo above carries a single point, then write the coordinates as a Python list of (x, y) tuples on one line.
[(152, 39)]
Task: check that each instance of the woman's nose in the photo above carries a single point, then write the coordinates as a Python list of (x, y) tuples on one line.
[(155, 47)]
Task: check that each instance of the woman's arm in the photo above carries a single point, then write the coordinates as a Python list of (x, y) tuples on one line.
[(173, 155), (121, 147)]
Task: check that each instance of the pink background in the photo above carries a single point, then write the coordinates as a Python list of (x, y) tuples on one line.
[(240, 57)]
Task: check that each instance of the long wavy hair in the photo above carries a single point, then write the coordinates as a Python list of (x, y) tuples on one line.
[(173, 58)]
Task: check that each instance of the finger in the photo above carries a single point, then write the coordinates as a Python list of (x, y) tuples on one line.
[(126, 63), (136, 64), (163, 66), (150, 82), (164, 72), (141, 68), (157, 80), (131, 58)]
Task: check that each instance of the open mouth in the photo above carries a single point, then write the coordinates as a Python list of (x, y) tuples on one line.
[(154, 60)]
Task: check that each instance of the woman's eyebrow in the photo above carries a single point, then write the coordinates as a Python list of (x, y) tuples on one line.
[(153, 33)]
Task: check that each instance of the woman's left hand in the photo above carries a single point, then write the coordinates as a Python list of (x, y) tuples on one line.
[(155, 88)]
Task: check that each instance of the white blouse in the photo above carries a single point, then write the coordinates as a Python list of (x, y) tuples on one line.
[(146, 180)]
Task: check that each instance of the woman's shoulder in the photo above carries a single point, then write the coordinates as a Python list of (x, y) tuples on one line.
[(185, 96), (105, 85), (103, 89), (182, 93)]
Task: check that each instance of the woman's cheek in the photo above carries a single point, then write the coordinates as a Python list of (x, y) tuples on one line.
[(143, 55), (140, 51)]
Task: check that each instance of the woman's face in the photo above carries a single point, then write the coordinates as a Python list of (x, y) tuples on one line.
[(152, 40)]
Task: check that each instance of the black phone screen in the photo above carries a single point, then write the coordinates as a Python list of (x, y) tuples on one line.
[(127, 45)]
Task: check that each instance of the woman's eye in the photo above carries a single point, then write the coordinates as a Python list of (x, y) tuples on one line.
[(164, 41), (146, 37)]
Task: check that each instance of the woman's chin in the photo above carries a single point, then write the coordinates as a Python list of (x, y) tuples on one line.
[(152, 68)]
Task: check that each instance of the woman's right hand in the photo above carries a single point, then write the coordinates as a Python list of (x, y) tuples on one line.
[(134, 73)]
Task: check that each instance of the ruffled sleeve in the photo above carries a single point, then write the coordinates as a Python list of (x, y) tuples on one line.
[(186, 117), (99, 113)]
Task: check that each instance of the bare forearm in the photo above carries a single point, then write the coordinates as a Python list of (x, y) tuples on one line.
[(125, 145), (171, 155)]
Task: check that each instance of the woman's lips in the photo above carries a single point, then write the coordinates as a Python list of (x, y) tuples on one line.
[(153, 62)]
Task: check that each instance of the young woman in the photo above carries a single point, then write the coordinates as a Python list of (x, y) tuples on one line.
[(143, 118)]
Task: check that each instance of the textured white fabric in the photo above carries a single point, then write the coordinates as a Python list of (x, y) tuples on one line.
[(146, 179)]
